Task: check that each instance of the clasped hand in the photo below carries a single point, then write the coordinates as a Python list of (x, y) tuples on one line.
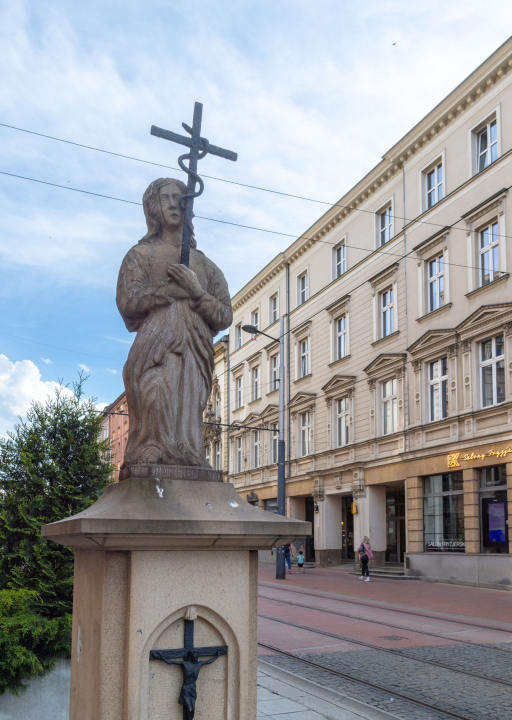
[(186, 279)]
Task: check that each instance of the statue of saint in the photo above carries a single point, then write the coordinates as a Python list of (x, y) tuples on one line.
[(176, 311)]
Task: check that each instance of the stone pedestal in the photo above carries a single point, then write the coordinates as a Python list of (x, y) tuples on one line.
[(152, 554)]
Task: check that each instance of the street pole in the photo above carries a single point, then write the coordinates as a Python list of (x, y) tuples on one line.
[(281, 490)]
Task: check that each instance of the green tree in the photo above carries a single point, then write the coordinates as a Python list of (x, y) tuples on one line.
[(52, 465)]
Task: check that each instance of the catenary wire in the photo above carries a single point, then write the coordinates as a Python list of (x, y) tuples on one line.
[(264, 230), (212, 177)]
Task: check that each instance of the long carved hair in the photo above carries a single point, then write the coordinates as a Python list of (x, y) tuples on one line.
[(152, 210)]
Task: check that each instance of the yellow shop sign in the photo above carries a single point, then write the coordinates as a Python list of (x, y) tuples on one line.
[(455, 459)]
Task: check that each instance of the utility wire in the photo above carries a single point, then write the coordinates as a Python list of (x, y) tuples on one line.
[(252, 227), (210, 177)]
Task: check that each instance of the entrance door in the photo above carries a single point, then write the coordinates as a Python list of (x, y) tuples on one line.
[(310, 541), (347, 528), (395, 526)]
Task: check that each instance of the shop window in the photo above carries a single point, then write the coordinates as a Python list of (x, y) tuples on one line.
[(493, 510), (443, 513), (492, 371), (438, 389)]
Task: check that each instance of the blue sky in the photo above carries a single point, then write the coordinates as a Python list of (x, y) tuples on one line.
[(310, 95)]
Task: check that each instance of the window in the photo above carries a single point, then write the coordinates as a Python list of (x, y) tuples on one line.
[(387, 312), (256, 448), (487, 145), (238, 336), (438, 389), (217, 404), (239, 392), (273, 310), (255, 319), (239, 455), (216, 448), (302, 288), (494, 509), (304, 434), (339, 260), (443, 512), (207, 453), (489, 252), (385, 226), (304, 358), (492, 371), (434, 185), (341, 422), (274, 372), (389, 407), (341, 337), (275, 439), (255, 383), (435, 283)]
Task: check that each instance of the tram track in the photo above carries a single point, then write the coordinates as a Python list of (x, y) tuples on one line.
[(403, 696), (390, 651), (378, 605), (400, 627)]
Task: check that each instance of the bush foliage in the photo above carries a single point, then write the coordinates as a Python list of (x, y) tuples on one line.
[(52, 465)]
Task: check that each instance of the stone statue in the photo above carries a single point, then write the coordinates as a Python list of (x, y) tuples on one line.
[(190, 666), (176, 311)]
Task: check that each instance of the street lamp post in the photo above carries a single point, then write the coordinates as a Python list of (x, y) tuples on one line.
[(281, 493)]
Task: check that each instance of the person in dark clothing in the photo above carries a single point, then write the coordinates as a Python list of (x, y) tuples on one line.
[(365, 556), (288, 556)]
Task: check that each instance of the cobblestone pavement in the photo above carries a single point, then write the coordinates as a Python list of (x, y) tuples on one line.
[(470, 697)]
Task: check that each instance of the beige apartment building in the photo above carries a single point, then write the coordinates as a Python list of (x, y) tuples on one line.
[(398, 305)]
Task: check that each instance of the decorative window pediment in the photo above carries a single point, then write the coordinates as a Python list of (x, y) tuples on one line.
[(385, 364), (302, 331), (431, 244), (339, 385), (252, 419), (270, 413), (495, 204), (254, 358), (388, 275), (432, 342), (302, 401), (238, 369), (485, 319), (339, 307)]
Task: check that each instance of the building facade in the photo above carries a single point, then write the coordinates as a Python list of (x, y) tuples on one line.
[(115, 428), (398, 305)]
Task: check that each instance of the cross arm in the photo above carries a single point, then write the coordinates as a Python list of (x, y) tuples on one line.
[(172, 136), (181, 652), (184, 140)]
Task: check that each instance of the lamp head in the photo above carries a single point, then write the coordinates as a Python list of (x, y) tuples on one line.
[(250, 329)]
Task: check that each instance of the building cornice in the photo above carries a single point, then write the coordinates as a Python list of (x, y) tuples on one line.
[(491, 72)]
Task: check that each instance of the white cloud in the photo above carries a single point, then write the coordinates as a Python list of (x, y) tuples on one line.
[(124, 341), (46, 361), (112, 372), (20, 384), (84, 367)]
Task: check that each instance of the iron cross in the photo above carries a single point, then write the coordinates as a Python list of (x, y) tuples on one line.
[(190, 665), (199, 147)]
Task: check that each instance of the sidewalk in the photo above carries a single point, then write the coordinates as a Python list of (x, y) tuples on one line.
[(283, 696)]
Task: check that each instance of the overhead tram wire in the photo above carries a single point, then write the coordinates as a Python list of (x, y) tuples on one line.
[(213, 177), (257, 229)]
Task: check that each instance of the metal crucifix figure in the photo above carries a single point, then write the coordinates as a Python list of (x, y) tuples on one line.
[(190, 666), (199, 148)]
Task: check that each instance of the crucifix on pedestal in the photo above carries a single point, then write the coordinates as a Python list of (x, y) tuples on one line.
[(199, 148), (190, 665)]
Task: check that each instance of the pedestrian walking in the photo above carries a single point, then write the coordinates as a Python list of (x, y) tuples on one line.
[(300, 561), (288, 557), (365, 556)]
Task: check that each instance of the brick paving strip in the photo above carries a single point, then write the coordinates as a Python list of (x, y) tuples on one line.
[(285, 696)]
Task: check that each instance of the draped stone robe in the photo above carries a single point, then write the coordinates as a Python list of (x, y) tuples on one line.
[(168, 373)]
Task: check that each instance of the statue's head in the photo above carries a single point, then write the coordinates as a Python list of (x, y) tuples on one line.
[(192, 656), (162, 209)]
